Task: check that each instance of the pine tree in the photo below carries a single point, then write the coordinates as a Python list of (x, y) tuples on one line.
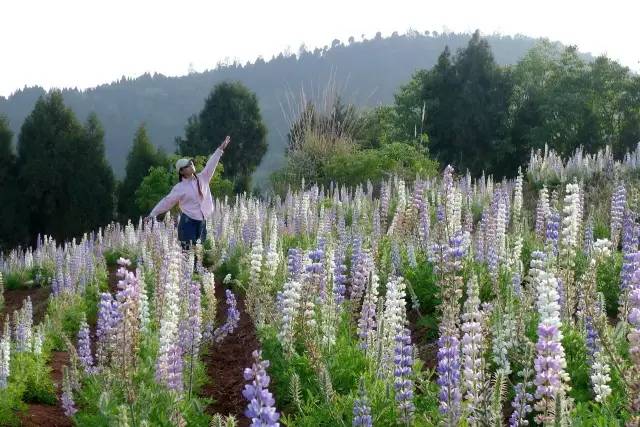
[(66, 184), (142, 157)]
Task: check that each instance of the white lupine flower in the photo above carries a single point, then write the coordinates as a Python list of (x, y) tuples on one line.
[(393, 319), (571, 221), (517, 197), (602, 249), (5, 355), (290, 309), (501, 229), (38, 339), (170, 314), (600, 377)]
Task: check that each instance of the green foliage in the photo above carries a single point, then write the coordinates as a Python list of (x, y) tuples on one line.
[(67, 186), (608, 281), (29, 382), (393, 159), (231, 109), (65, 313), (11, 404), (576, 355), (142, 157), (34, 372), (103, 397), (111, 256), (425, 286), (465, 101)]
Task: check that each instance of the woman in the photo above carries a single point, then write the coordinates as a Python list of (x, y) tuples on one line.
[(193, 197)]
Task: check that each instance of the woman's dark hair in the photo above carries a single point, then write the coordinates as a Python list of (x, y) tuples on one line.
[(197, 182)]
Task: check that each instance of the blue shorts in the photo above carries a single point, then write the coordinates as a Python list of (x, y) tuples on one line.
[(190, 230)]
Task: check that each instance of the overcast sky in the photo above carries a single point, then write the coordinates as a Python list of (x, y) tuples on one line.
[(82, 43)]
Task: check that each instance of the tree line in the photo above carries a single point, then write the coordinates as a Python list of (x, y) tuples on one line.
[(58, 182)]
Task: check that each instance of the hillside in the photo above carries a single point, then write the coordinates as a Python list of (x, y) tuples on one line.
[(367, 73)]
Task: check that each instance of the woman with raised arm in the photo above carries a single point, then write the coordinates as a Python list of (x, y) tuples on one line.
[(193, 197)]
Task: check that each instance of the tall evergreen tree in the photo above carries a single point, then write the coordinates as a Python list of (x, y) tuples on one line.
[(463, 103), (12, 226), (67, 185), (142, 157), (230, 109)]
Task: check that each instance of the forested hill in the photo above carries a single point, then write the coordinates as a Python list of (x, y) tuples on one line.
[(366, 72)]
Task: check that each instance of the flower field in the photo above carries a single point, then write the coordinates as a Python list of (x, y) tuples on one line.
[(445, 301)]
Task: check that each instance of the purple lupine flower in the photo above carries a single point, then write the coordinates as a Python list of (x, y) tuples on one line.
[(550, 361), (553, 228), (403, 384), (618, 202), (294, 263), (84, 348), (548, 364), (362, 410), (425, 222), (316, 272), (339, 277), (174, 368), (448, 369), (516, 281), (233, 317), (189, 330), (395, 258), (68, 404), (359, 273), (521, 406), (105, 328), (591, 339), (588, 237), (630, 257), (367, 321), (455, 252), (261, 409)]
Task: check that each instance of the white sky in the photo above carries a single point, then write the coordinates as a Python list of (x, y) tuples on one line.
[(82, 43)]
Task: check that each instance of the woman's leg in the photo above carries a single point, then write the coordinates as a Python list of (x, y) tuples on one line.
[(202, 235), (187, 229)]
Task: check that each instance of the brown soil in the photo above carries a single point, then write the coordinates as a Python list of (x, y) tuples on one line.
[(427, 350), (46, 415), (38, 414), (13, 301), (226, 361)]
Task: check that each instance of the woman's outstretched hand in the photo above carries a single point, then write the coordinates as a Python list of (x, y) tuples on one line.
[(226, 142)]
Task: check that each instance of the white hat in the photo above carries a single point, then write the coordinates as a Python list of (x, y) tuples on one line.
[(180, 163)]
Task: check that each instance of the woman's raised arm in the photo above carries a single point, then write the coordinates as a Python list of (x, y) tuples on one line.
[(212, 163)]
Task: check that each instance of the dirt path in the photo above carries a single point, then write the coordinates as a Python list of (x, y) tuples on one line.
[(38, 414), (46, 415), (13, 301), (226, 361)]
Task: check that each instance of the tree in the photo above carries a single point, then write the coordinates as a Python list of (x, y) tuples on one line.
[(192, 144), (561, 100), (462, 103), (67, 185), (230, 109), (142, 157), (12, 226)]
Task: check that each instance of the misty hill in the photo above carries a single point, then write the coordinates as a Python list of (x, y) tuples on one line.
[(367, 73)]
